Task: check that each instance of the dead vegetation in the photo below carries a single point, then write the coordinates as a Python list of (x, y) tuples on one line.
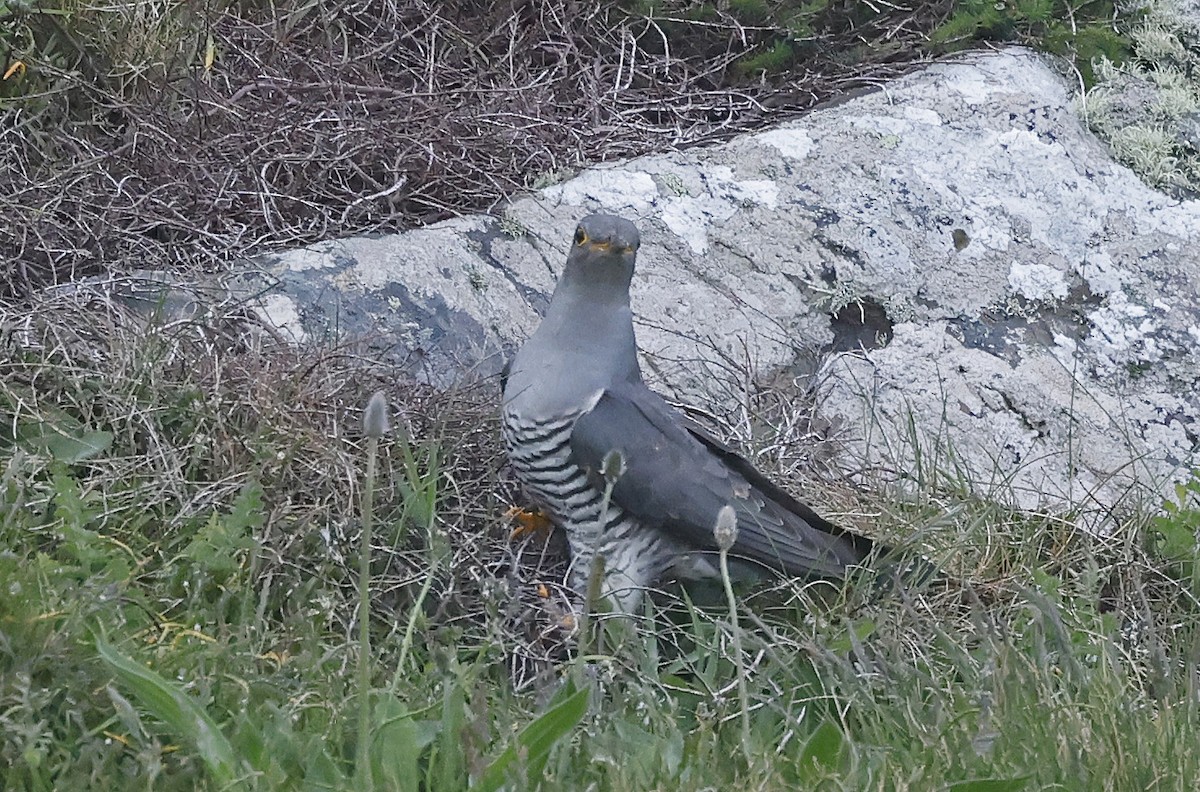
[(207, 131), (170, 420)]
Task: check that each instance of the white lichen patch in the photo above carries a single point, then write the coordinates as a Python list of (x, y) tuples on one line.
[(1065, 350), (613, 188), (690, 216), (322, 255), (923, 115), (972, 87), (899, 308), (280, 311), (1101, 274), (1122, 334), (987, 235), (1037, 282), (792, 143), (883, 125)]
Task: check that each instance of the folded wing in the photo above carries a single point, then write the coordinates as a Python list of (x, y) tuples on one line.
[(678, 477)]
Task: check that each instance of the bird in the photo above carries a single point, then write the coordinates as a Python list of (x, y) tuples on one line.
[(627, 476)]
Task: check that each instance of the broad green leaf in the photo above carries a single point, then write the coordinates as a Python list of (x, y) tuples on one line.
[(223, 543), (167, 702), (76, 511), (78, 448), (824, 752), (321, 771), (64, 438), (535, 741), (843, 643), (398, 742), (247, 514)]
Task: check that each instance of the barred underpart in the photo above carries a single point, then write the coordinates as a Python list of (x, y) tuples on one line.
[(634, 555)]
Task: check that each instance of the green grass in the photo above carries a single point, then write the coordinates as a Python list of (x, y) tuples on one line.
[(178, 610), (1141, 105), (1079, 30), (124, 47)]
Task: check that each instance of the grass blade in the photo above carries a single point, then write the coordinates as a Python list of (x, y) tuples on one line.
[(167, 702), (535, 742)]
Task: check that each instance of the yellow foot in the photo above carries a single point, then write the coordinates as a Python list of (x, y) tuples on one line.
[(559, 611), (526, 523)]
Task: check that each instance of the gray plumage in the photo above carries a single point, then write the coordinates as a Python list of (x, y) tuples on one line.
[(574, 393)]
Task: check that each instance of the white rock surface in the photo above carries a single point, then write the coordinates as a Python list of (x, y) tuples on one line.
[(1040, 306)]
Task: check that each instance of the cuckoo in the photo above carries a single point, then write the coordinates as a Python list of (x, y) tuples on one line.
[(621, 471)]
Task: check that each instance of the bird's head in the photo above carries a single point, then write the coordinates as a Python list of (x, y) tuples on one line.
[(602, 254), (586, 342)]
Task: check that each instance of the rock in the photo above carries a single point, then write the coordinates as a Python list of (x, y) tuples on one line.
[(1189, 130), (978, 286)]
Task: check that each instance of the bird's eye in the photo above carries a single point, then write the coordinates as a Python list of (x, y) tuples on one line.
[(580, 236)]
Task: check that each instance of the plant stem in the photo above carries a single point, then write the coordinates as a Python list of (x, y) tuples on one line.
[(736, 635), (362, 761)]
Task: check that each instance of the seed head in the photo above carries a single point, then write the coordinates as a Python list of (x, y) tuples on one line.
[(375, 417), (613, 465), (725, 531)]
